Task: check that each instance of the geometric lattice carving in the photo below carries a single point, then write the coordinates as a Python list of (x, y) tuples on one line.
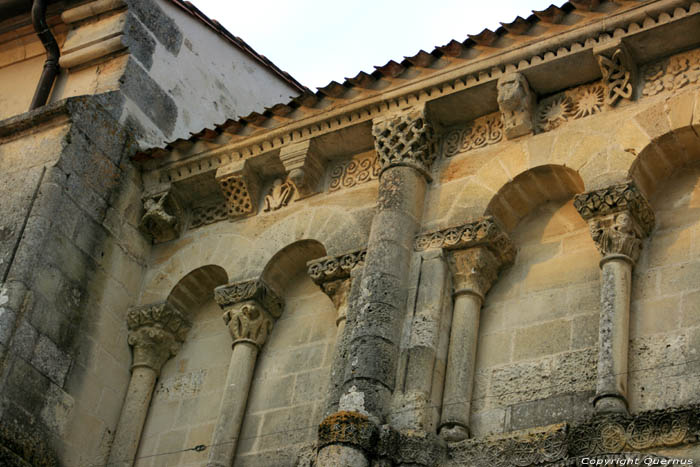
[(205, 215), (240, 187), (619, 71), (480, 133), (406, 139)]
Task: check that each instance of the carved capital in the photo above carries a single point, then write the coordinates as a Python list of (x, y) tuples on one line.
[(156, 333), (618, 69), (473, 270), (248, 322), (349, 428), (162, 218), (256, 290), (482, 232), (331, 268), (518, 105), (304, 165), (406, 139), (241, 188), (619, 218)]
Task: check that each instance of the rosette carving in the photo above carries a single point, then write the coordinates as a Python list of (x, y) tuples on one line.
[(407, 139), (156, 332), (619, 217), (605, 437)]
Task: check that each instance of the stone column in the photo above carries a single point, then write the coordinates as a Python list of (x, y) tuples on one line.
[(405, 146), (476, 253), (334, 274), (156, 333), (250, 310), (619, 218)]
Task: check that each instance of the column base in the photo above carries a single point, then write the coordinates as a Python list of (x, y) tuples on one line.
[(610, 403)]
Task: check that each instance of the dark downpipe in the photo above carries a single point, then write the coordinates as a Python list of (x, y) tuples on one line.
[(43, 89)]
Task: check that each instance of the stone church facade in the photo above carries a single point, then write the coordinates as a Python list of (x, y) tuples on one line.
[(481, 255)]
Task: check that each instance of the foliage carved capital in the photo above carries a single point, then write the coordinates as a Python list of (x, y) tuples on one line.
[(248, 322), (619, 218), (406, 139), (156, 332)]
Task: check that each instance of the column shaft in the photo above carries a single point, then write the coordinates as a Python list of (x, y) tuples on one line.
[(133, 416), (611, 386), (461, 362), (233, 404), (374, 340)]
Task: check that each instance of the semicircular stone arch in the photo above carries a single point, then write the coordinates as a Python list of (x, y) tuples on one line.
[(539, 320), (244, 257), (528, 190)]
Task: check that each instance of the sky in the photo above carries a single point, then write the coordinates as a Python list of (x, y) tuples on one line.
[(320, 41)]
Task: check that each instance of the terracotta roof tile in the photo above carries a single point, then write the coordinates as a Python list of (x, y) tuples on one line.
[(454, 51)]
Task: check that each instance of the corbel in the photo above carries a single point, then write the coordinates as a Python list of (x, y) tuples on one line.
[(241, 188), (619, 71), (518, 105), (304, 165), (163, 214)]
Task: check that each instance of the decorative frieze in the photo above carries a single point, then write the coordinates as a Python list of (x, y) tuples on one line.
[(240, 186), (672, 74), (480, 133), (619, 71), (354, 172), (162, 218), (280, 195), (618, 216), (331, 268), (209, 214), (156, 332), (572, 104), (482, 232), (232, 294), (405, 139), (600, 436), (517, 104)]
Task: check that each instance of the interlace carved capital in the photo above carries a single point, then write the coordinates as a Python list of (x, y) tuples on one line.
[(619, 217), (241, 188), (248, 322), (517, 103), (156, 333), (162, 218), (482, 232), (406, 139), (619, 71), (474, 270)]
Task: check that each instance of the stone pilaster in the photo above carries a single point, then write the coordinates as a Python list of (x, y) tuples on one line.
[(618, 69), (156, 333), (405, 145), (477, 251), (250, 310), (241, 188), (163, 216), (334, 274), (518, 105), (619, 217)]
